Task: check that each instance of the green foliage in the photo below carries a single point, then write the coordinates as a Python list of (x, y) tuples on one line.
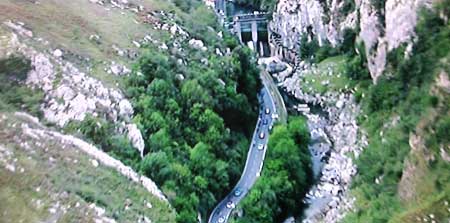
[(266, 5), (186, 5), (348, 7), (348, 42), (356, 66), (98, 131), (14, 95), (379, 4), (285, 178), (196, 118), (443, 130), (404, 93), (384, 95), (324, 52), (308, 48), (311, 50)]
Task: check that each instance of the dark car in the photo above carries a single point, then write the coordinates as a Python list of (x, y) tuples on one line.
[(238, 192)]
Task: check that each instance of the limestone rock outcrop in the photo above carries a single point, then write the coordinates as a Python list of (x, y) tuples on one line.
[(69, 93), (381, 30)]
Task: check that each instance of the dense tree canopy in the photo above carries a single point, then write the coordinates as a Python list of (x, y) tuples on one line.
[(196, 121), (266, 5), (285, 178)]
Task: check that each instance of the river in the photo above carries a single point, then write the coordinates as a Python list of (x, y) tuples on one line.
[(320, 145)]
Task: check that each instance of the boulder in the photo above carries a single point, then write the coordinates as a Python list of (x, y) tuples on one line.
[(125, 108), (57, 53), (136, 139)]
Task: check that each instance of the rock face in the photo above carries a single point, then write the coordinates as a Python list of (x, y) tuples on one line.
[(335, 138), (326, 21), (322, 20), (102, 157), (70, 94)]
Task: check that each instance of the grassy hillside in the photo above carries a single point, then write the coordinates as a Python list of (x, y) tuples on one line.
[(45, 179), (403, 174), (193, 89), (69, 25)]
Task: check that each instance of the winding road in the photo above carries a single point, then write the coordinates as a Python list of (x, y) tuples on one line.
[(255, 157)]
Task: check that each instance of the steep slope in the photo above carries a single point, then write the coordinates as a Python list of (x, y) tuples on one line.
[(387, 61), (402, 171), (381, 25), (47, 176), (155, 84)]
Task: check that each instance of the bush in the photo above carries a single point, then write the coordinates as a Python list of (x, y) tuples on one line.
[(348, 7), (384, 95), (348, 42), (356, 69), (13, 96), (443, 130), (100, 132), (308, 48), (286, 176)]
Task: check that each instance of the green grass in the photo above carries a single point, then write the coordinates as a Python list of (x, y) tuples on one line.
[(68, 25), (67, 181), (312, 83), (14, 96)]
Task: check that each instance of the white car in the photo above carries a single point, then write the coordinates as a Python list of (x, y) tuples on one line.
[(261, 146), (221, 220), (262, 135), (230, 205), (267, 111)]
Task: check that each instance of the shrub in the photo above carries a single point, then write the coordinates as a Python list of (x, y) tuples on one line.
[(13, 96), (384, 95)]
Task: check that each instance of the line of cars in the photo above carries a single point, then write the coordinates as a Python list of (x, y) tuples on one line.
[(265, 116), (230, 204)]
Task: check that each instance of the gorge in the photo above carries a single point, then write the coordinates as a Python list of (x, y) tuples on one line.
[(240, 111)]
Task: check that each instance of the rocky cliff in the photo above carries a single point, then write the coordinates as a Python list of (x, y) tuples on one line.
[(399, 173), (381, 28)]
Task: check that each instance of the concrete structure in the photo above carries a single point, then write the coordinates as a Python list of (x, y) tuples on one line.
[(253, 28), (250, 28)]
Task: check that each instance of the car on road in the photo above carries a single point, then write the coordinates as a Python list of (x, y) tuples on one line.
[(221, 220), (267, 111), (262, 135), (230, 204), (261, 146), (265, 122), (237, 192)]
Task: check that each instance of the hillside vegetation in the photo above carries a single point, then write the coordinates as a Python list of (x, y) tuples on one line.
[(193, 113), (266, 5), (286, 176), (404, 172), (44, 178), (193, 91)]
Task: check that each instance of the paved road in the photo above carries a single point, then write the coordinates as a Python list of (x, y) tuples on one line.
[(254, 163)]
